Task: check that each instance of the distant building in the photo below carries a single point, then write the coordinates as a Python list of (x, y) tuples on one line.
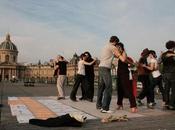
[(10, 68), (8, 60)]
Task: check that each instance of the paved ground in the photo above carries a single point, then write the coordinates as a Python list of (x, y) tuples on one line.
[(145, 119)]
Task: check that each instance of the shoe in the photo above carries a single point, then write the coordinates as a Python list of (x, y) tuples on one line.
[(98, 108), (59, 98), (90, 100), (150, 105), (134, 109), (154, 103), (73, 99), (82, 98), (106, 111), (120, 107), (171, 108), (139, 102)]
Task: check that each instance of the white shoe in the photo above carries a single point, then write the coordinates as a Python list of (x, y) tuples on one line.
[(106, 111)]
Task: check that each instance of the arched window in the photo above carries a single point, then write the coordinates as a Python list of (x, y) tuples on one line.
[(7, 58)]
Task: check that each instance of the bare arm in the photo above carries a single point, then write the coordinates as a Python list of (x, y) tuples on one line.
[(89, 63), (150, 67), (169, 55), (123, 56)]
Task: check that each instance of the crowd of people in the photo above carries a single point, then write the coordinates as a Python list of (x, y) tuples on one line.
[(150, 71)]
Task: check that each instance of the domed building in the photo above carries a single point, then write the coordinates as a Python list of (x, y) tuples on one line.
[(10, 69), (8, 59)]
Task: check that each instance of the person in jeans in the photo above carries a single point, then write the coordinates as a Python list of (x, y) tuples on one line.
[(104, 92), (155, 77), (80, 78), (168, 59)]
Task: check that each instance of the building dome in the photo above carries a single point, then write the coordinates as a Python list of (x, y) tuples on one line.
[(8, 45)]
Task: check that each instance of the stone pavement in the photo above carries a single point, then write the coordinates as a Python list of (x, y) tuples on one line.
[(23, 103)]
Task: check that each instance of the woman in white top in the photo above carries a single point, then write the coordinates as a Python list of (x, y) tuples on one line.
[(80, 78), (155, 77)]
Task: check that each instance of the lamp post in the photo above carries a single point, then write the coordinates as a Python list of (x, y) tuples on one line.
[(39, 67)]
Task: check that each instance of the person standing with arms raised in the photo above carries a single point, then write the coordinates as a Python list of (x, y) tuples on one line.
[(104, 93)]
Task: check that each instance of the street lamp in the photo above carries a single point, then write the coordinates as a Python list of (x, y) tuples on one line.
[(39, 66)]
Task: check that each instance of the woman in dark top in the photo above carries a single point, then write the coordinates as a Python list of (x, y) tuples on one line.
[(89, 77), (124, 84)]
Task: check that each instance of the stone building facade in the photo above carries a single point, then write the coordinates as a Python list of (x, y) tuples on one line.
[(10, 68)]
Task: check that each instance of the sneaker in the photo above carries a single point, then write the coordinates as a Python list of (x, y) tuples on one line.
[(171, 108), (139, 102), (150, 105), (106, 111)]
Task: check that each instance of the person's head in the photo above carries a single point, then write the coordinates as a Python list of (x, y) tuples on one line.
[(87, 54), (145, 52), (170, 45), (114, 40), (152, 53), (82, 56), (120, 45), (59, 57)]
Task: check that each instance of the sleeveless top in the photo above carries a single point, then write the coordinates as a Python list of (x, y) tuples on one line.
[(122, 68)]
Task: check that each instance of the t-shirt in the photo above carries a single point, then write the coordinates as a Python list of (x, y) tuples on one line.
[(155, 73), (81, 67), (62, 67), (107, 55)]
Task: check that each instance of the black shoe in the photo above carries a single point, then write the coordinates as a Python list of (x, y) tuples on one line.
[(82, 98), (154, 103), (73, 99), (90, 100), (139, 102), (98, 107)]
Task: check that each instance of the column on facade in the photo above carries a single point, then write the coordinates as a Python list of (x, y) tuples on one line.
[(2, 74)]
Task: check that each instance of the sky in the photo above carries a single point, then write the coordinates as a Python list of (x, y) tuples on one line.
[(43, 29)]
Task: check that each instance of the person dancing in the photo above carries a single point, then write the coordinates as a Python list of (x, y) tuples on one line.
[(124, 84)]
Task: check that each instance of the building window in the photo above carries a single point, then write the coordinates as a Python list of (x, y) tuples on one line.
[(7, 58)]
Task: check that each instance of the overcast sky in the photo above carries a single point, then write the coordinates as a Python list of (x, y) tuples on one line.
[(42, 29)]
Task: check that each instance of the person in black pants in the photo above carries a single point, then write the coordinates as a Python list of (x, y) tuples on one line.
[(143, 77), (168, 59), (80, 78), (89, 79)]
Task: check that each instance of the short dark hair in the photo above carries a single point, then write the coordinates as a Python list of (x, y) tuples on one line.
[(114, 39), (145, 52), (170, 44)]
